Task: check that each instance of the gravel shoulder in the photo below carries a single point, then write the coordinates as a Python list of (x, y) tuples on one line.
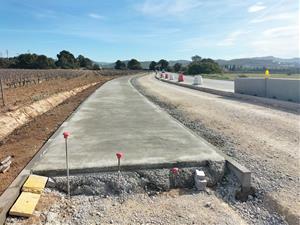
[(177, 207), (263, 139)]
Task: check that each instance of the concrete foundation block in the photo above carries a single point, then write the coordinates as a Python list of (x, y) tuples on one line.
[(201, 185), (199, 175), (200, 181)]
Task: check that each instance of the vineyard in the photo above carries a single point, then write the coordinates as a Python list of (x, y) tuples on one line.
[(13, 78), (23, 86)]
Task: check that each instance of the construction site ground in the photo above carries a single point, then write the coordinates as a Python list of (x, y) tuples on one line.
[(24, 142), (177, 207), (264, 139), (235, 135)]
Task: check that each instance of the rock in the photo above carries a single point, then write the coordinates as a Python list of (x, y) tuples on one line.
[(208, 205), (50, 183)]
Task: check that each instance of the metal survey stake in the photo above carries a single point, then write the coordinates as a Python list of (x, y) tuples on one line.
[(119, 156), (66, 135), (175, 172)]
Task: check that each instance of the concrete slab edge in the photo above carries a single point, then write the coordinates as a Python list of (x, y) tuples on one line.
[(127, 168), (267, 101), (10, 195)]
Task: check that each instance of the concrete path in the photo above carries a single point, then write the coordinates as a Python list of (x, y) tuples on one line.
[(222, 85), (117, 118)]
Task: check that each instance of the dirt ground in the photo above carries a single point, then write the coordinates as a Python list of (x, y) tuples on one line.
[(21, 96), (263, 139), (178, 206), (23, 143)]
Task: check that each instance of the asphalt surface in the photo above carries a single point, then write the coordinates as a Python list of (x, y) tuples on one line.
[(222, 85), (117, 118)]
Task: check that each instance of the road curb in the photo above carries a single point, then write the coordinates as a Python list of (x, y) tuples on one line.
[(274, 103)]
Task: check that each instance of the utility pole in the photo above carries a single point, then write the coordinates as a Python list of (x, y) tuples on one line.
[(6, 53)]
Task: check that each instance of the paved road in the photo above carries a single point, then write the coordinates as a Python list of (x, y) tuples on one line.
[(222, 85), (117, 118)]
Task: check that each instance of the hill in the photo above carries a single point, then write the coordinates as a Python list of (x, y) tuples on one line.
[(268, 61)]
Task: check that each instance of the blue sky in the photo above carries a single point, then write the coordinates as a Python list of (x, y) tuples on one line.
[(107, 30)]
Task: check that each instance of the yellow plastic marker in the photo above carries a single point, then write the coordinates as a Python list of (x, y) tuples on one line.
[(267, 73), (35, 184), (25, 204)]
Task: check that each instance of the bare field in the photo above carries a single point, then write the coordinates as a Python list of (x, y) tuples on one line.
[(34, 85)]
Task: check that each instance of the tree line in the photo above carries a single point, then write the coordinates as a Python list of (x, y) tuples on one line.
[(132, 64), (65, 60), (197, 66)]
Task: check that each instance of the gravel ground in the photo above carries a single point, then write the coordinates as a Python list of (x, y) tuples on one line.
[(254, 135), (176, 207)]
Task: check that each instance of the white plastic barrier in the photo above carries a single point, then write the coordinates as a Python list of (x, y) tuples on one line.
[(171, 77), (198, 80)]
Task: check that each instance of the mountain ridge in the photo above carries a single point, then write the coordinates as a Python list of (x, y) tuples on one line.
[(251, 62)]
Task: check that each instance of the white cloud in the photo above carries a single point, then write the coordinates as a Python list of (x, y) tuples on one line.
[(231, 38), (279, 16), (279, 41), (96, 16), (167, 7), (256, 7)]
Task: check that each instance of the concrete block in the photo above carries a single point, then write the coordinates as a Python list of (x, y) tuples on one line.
[(200, 182), (283, 89), (201, 185), (199, 175), (242, 173), (250, 86), (51, 183)]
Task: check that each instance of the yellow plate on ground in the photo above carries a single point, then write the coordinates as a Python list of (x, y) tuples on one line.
[(25, 204), (35, 184)]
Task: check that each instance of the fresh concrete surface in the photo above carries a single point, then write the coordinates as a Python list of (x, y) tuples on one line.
[(116, 118), (221, 85)]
